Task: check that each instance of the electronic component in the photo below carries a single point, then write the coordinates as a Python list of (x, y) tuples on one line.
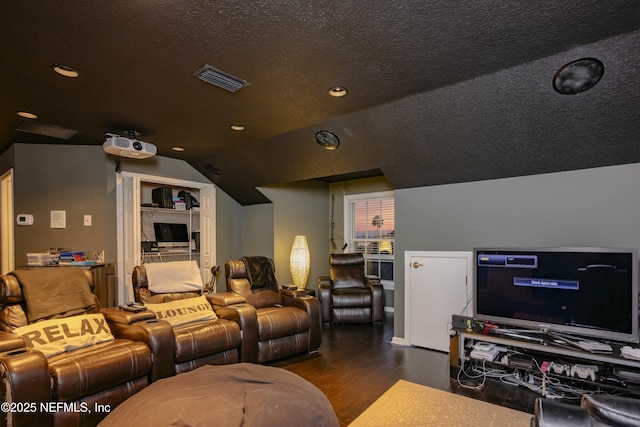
[(484, 351), (584, 371), (520, 361), (24, 219), (149, 246), (461, 322)]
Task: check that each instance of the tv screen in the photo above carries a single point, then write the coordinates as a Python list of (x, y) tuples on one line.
[(584, 291), (168, 234)]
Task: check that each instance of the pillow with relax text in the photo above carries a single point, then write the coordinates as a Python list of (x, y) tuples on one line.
[(56, 336), (181, 311)]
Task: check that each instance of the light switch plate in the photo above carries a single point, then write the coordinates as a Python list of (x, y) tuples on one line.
[(87, 220)]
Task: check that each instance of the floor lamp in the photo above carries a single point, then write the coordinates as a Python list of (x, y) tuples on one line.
[(300, 261)]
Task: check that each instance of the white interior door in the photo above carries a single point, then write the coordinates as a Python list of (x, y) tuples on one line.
[(438, 286)]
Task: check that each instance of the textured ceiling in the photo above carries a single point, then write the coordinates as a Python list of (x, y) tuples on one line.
[(439, 91)]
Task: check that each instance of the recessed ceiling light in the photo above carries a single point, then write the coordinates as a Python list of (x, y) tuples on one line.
[(338, 91), (66, 71), (27, 115), (237, 127), (177, 148)]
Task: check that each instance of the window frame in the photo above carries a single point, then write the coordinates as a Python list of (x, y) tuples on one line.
[(352, 198)]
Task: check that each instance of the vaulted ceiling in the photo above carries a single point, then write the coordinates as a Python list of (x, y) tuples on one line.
[(438, 91)]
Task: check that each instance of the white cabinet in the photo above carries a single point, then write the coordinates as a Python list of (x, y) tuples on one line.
[(181, 234), (437, 284)]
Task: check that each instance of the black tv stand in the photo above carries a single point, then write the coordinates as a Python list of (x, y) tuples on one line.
[(545, 348), (551, 338)]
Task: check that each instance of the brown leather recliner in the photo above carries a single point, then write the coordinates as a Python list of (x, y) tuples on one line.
[(213, 342), (70, 383), (275, 323), (347, 295)]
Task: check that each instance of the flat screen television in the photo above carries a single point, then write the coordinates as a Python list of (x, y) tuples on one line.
[(582, 291), (170, 235)]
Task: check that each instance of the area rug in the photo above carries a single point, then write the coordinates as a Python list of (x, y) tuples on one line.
[(409, 404)]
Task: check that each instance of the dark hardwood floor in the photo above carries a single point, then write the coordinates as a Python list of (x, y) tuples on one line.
[(356, 364)]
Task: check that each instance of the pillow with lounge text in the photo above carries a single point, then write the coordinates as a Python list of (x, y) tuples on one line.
[(56, 336), (181, 311)]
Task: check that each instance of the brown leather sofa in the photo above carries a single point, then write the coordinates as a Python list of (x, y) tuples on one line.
[(347, 295), (594, 410), (72, 382), (213, 342), (275, 323)]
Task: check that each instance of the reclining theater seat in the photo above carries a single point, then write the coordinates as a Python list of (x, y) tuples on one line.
[(347, 295), (282, 324), (594, 410), (56, 349), (214, 341)]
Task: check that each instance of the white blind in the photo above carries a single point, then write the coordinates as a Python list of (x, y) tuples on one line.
[(371, 231)]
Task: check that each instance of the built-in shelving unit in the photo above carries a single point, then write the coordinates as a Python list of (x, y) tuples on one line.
[(136, 218), (149, 215)]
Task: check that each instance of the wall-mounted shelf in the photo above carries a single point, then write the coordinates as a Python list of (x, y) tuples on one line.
[(194, 211)]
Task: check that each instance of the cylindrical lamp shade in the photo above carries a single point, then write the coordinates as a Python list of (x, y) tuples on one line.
[(300, 261)]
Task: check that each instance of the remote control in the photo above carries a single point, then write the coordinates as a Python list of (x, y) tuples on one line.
[(133, 307)]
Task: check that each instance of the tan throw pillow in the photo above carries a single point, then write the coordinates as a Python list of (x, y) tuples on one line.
[(175, 276), (183, 311), (56, 336)]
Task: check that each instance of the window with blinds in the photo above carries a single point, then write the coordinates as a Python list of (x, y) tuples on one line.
[(370, 230)]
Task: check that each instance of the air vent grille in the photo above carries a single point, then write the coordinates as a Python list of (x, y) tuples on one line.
[(121, 142), (44, 129), (219, 78)]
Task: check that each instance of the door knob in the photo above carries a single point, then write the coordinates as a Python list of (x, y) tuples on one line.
[(416, 264)]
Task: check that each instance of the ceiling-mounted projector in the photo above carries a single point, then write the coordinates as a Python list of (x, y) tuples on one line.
[(128, 147)]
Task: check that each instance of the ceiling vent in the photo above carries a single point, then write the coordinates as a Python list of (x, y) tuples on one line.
[(219, 78), (44, 129)]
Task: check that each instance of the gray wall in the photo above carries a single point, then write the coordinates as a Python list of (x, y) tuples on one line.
[(229, 219), (360, 186), (241, 231), (81, 180), (258, 230), (60, 177), (593, 207), (300, 208)]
